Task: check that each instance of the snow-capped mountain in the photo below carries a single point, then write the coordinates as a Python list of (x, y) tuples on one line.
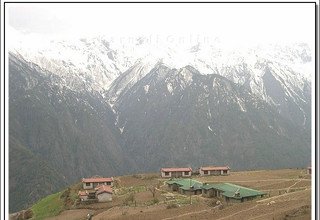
[(99, 61), (112, 65), (278, 74)]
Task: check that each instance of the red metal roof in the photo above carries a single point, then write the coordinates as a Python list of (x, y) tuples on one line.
[(82, 193), (97, 180), (215, 168), (176, 169), (103, 188)]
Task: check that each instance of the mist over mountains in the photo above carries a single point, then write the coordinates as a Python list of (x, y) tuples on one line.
[(100, 106)]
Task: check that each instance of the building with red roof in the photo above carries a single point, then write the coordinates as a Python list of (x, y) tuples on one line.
[(175, 172), (91, 183), (104, 193), (83, 195), (101, 193), (87, 195), (212, 170)]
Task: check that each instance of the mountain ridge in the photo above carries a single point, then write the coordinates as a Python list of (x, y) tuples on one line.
[(144, 108)]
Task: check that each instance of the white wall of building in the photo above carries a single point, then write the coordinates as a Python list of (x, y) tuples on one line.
[(185, 175), (163, 174), (213, 172), (93, 185), (83, 198), (87, 185), (104, 197), (170, 174)]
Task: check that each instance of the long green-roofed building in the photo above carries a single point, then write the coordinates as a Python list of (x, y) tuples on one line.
[(228, 191), (185, 186), (231, 192)]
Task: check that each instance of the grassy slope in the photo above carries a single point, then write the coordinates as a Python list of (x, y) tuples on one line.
[(53, 204), (49, 206)]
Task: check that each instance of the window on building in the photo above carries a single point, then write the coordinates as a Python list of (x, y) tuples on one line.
[(88, 184), (205, 172), (166, 173), (108, 183), (186, 173)]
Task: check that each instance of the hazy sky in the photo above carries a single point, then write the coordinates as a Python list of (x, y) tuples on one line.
[(235, 22)]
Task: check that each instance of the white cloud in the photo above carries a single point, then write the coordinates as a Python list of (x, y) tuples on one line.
[(239, 23)]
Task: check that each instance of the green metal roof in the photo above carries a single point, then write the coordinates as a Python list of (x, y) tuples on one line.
[(194, 186), (207, 186), (185, 184), (230, 189)]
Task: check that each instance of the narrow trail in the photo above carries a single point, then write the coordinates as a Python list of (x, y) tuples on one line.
[(293, 185), (186, 214), (159, 189), (259, 216), (297, 188), (236, 213), (283, 195), (252, 181)]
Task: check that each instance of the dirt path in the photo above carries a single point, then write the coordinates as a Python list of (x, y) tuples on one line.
[(229, 216), (283, 195), (186, 214), (297, 188), (260, 216), (76, 214), (159, 189), (252, 181), (293, 185)]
